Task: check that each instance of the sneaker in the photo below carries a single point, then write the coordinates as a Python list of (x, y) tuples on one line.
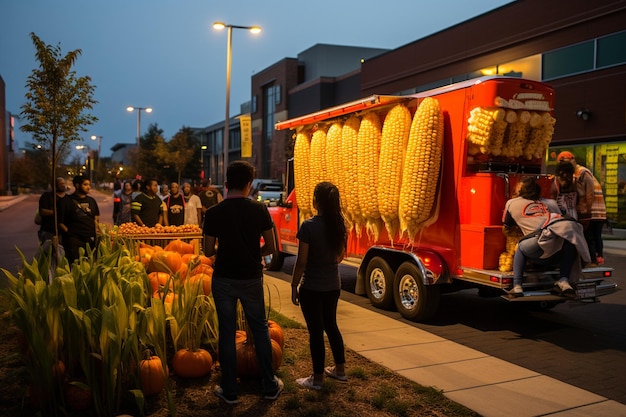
[(227, 399), (600, 260), (308, 382), (274, 395), (563, 288), (331, 371), (516, 291)]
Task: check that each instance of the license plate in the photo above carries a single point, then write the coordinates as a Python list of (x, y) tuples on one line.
[(586, 290)]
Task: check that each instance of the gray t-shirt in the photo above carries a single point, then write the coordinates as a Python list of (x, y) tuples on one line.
[(321, 272), (529, 215)]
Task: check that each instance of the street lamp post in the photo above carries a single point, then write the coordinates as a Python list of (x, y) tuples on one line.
[(229, 48), (89, 160), (99, 139), (139, 109)]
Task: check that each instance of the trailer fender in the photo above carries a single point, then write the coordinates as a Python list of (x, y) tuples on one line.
[(431, 264)]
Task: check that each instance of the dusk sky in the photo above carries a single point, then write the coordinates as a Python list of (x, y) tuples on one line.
[(166, 55)]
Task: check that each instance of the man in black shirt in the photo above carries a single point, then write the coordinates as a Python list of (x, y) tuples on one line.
[(147, 208), (81, 217), (46, 207), (236, 225), (175, 203)]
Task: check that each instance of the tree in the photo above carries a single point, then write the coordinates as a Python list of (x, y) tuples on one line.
[(178, 152), (147, 156), (56, 102)]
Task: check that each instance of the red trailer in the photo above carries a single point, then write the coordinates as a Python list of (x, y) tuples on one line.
[(462, 244)]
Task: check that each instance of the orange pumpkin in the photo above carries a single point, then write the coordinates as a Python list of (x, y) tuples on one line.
[(276, 333), (164, 261), (189, 258), (182, 272), (152, 375), (192, 363), (179, 246), (204, 279), (247, 365), (77, 395), (206, 260), (202, 269), (158, 280)]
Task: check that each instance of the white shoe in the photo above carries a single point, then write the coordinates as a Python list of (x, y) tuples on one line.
[(308, 383), (563, 284), (517, 291)]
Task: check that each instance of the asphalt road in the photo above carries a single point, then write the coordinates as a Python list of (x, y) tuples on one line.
[(584, 346)]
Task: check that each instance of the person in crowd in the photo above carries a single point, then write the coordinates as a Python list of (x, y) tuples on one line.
[(175, 206), (564, 189), (232, 233), (137, 188), (591, 207), (209, 196), (164, 192), (147, 208), (562, 239), (316, 283), (122, 200), (193, 206), (46, 211), (81, 218)]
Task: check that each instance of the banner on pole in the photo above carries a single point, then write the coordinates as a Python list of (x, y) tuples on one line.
[(245, 123)]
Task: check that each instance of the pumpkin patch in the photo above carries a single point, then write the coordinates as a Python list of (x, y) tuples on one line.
[(192, 363)]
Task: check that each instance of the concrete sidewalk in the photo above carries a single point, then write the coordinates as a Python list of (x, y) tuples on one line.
[(487, 385), (7, 201)]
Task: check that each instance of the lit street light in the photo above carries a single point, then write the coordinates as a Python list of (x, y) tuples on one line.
[(89, 160), (220, 26), (139, 109), (99, 139)]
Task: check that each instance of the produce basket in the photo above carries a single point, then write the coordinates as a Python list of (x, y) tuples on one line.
[(163, 239)]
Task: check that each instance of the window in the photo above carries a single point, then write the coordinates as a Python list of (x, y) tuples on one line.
[(611, 50), (569, 60)]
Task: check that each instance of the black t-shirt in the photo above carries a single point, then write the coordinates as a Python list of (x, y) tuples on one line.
[(321, 272), (148, 208), (238, 224), (79, 215), (46, 201), (175, 210), (209, 197)]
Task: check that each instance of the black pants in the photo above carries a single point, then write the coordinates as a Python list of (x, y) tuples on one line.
[(593, 236), (73, 243), (320, 313)]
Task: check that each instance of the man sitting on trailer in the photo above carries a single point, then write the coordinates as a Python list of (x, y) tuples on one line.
[(549, 238)]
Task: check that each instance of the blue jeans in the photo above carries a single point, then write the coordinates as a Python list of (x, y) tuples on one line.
[(226, 292), (319, 309), (564, 259)]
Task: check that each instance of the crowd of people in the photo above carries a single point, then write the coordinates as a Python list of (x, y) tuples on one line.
[(563, 231)]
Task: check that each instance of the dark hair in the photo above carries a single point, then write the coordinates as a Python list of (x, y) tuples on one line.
[(328, 203), (239, 174), (530, 189), (137, 185), (564, 167), (78, 180), (148, 183)]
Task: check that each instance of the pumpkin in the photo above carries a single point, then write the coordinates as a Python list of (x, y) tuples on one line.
[(202, 269), (158, 280), (192, 363), (276, 333), (164, 261), (247, 365), (78, 396), (151, 374), (182, 272), (179, 246), (204, 279)]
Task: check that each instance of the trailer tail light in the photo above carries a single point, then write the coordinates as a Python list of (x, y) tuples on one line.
[(495, 279), (607, 274), (507, 281)]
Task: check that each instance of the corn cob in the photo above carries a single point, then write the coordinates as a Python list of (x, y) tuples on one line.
[(333, 162), (395, 136), (420, 176), (368, 151), (506, 257), (349, 141), (516, 135), (301, 168), (318, 158)]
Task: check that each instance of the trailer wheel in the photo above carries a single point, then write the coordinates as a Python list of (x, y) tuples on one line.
[(380, 278), (414, 300)]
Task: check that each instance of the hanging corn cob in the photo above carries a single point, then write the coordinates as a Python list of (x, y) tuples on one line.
[(506, 258), (486, 129), (301, 168), (395, 136), (368, 151), (349, 140), (516, 135), (422, 163), (318, 158), (333, 162)]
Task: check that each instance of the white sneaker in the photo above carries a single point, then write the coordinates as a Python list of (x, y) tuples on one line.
[(563, 284), (308, 383)]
